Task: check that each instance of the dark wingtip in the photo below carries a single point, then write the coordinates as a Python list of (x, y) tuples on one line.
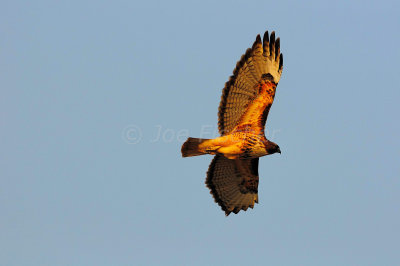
[(266, 38), (272, 38), (236, 210), (281, 61), (277, 47), (272, 42), (257, 41)]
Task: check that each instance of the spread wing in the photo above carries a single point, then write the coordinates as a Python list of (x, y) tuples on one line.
[(233, 183), (242, 88)]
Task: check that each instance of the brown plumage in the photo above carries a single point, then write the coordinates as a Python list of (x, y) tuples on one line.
[(245, 103)]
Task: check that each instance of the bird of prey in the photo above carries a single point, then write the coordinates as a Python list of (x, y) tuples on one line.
[(246, 99)]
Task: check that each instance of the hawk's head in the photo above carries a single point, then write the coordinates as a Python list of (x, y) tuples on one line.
[(271, 147)]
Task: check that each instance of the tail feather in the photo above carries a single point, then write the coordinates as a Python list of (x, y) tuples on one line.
[(191, 147)]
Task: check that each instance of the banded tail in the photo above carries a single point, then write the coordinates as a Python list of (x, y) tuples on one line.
[(191, 147)]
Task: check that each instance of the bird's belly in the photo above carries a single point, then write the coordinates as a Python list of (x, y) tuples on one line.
[(253, 150), (241, 146), (254, 153)]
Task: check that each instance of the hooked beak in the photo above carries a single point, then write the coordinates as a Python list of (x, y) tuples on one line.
[(279, 150)]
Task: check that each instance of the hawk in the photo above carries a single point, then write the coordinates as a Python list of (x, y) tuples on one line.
[(246, 99)]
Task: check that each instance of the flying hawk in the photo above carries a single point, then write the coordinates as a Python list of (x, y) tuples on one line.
[(232, 176)]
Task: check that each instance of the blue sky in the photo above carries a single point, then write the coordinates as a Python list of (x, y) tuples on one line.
[(87, 87)]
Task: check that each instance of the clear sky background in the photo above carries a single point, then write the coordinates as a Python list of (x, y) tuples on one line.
[(87, 87)]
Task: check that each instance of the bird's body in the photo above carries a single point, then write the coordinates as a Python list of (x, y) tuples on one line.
[(245, 103), (237, 145)]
